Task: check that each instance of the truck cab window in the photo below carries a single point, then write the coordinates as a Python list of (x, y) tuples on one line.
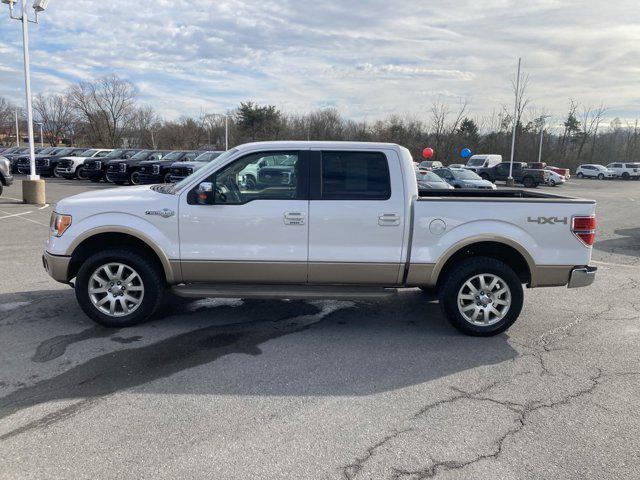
[(355, 176), (258, 176)]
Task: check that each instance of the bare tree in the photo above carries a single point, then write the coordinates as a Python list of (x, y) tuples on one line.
[(107, 105), (590, 119), (145, 124), (56, 114)]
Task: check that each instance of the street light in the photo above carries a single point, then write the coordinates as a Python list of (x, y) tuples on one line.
[(32, 189), (510, 182), (226, 127), (542, 119), (41, 136)]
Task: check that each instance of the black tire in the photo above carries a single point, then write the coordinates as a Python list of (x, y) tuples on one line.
[(466, 270), (55, 174), (552, 183), (625, 176), (134, 178), (1, 188), (529, 182), (579, 175), (167, 177), (80, 174), (152, 279), (601, 176)]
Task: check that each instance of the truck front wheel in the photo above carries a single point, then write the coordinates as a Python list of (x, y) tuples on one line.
[(119, 288), (481, 296)]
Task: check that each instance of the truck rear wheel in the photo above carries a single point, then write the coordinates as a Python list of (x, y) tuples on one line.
[(119, 288), (529, 182), (481, 297)]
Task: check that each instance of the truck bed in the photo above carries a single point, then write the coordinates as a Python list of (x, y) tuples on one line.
[(499, 195)]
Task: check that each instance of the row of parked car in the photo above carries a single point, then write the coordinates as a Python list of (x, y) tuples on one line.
[(481, 171), (119, 166)]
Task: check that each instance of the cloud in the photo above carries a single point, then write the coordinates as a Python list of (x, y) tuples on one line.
[(369, 58)]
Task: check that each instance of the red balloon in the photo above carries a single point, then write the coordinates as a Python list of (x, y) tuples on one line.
[(427, 152)]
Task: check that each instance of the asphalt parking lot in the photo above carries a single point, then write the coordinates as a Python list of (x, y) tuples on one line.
[(331, 389)]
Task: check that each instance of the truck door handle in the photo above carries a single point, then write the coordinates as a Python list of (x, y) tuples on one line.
[(294, 218), (388, 219)]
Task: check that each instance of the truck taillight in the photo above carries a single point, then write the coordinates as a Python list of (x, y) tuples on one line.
[(585, 229)]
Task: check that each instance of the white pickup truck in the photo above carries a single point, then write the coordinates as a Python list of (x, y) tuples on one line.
[(347, 221)]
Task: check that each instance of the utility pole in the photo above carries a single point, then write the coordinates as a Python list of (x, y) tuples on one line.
[(510, 181), (542, 119)]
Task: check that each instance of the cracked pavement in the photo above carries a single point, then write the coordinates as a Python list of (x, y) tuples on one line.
[(382, 389)]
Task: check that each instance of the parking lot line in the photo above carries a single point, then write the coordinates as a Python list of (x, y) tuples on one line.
[(18, 215)]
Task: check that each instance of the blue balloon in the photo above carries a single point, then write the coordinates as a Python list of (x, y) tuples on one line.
[(465, 153)]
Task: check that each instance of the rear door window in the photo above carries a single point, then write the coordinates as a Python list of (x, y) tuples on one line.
[(355, 176)]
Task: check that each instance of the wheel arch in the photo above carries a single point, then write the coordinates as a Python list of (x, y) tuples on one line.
[(499, 248), (118, 236)]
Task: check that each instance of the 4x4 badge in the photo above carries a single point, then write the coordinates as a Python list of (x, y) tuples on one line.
[(548, 220), (164, 213)]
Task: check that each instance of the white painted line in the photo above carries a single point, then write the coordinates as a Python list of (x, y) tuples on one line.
[(9, 214), (14, 215), (607, 264), (11, 198), (46, 205)]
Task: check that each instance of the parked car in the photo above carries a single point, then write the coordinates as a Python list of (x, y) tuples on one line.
[(429, 180), (181, 170), (16, 158), (427, 165), (477, 162), (6, 178), (352, 224), (626, 171), (159, 171), (528, 177), (128, 170), (594, 171), (73, 166), (463, 178), (13, 155), (95, 169), (554, 179), (46, 164), (565, 172)]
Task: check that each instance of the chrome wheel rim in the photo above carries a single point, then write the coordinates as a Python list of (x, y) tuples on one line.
[(484, 299), (116, 289)]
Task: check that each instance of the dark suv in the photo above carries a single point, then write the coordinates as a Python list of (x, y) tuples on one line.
[(95, 169), (128, 171), (181, 170), (159, 171), (46, 164)]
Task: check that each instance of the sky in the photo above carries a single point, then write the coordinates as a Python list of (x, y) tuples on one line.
[(368, 58)]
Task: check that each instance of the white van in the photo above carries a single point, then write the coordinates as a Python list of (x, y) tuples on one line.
[(482, 161)]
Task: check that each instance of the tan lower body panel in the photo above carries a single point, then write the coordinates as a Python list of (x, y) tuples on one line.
[(551, 275), (353, 273), (243, 272), (420, 275), (57, 266)]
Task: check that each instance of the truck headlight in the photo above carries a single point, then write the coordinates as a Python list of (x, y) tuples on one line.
[(59, 224)]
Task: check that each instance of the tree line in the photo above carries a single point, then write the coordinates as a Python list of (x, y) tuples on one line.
[(107, 113)]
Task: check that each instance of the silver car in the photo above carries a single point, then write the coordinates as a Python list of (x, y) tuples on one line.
[(429, 180), (463, 178)]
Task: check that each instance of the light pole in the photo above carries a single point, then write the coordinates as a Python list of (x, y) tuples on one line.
[(226, 127), (33, 189), (510, 181), (542, 119), (41, 136), (17, 130)]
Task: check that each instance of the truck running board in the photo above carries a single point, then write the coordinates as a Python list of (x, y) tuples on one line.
[(282, 291)]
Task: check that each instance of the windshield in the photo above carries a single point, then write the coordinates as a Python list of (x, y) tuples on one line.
[(115, 154), (172, 156), (475, 162), (47, 150), (428, 177), (88, 153), (65, 151), (207, 156), (186, 181), (142, 155), (462, 174)]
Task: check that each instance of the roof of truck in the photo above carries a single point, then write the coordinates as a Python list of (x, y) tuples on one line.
[(316, 144)]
